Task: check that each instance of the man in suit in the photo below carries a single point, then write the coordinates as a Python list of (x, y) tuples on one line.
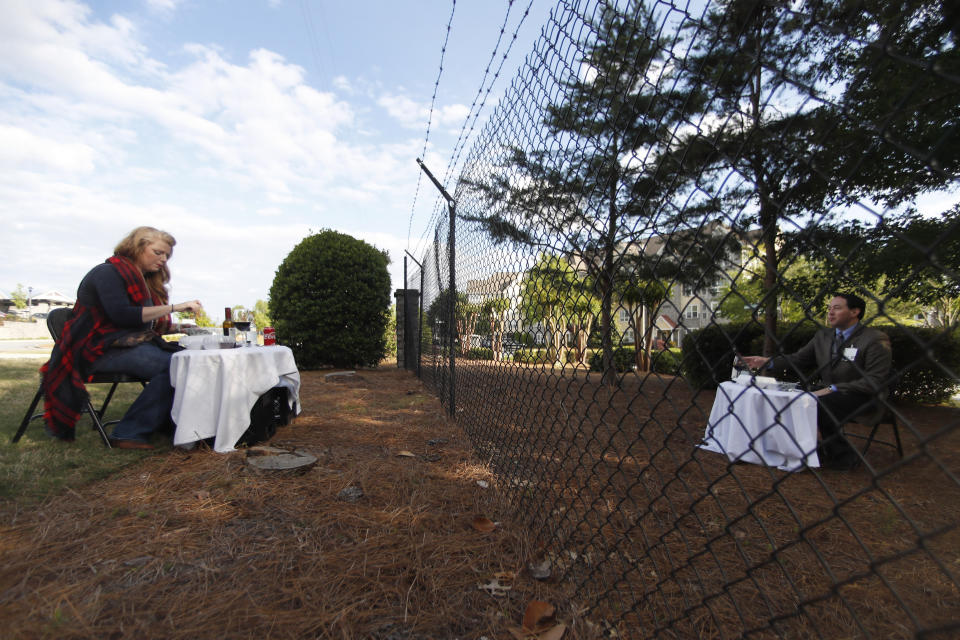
[(853, 362)]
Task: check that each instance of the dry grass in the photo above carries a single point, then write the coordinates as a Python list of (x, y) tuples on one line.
[(674, 538), (645, 529), (196, 545)]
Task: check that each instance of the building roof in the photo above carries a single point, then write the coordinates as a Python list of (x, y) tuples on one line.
[(495, 284), (664, 319), (53, 296)]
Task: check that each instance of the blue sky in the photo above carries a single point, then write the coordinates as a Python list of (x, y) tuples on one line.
[(238, 126)]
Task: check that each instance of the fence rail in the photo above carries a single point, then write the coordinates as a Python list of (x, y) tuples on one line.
[(667, 186)]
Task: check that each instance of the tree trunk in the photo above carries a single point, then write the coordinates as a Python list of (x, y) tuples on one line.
[(768, 211), (648, 338), (583, 338), (553, 351), (606, 281), (465, 328)]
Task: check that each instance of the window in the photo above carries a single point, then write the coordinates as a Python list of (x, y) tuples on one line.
[(624, 315), (715, 287), (688, 290), (693, 311)]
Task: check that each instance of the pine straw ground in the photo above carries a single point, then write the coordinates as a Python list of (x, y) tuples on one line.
[(196, 545)]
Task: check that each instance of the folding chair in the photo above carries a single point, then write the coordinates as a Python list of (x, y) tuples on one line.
[(874, 421), (55, 321), (890, 418)]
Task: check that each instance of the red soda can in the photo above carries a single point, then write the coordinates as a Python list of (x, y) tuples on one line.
[(269, 336)]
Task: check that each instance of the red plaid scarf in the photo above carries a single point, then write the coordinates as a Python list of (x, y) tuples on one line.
[(85, 335)]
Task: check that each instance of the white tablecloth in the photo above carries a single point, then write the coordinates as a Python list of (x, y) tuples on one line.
[(214, 390), (763, 426)]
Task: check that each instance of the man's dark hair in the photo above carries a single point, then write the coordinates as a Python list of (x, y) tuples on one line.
[(854, 302)]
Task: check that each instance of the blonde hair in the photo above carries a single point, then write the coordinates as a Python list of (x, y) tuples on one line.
[(135, 244)]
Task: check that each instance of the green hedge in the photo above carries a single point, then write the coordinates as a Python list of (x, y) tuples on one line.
[(708, 353), (480, 353), (624, 358), (530, 356), (926, 362)]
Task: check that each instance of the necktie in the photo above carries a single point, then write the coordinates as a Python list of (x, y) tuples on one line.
[(837, 341)]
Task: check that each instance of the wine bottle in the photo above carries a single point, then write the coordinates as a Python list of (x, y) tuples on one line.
[(228, 331)]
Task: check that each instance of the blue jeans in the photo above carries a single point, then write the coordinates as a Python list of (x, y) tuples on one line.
[(151, 410)]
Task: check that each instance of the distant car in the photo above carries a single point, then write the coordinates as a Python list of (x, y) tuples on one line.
[(39, 316)]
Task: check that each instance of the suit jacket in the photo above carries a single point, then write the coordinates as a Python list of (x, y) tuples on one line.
[(867, 371)]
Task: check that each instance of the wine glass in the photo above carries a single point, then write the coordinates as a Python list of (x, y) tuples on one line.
[(242, 323)]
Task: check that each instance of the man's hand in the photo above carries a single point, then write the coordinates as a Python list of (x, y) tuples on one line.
[(755, 362), (823, 392)]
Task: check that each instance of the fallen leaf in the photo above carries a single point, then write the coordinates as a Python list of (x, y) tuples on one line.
[(536, 612), (483, 484), (520, 633), (553, 633), (484, 525), (203, 494), (406, 454)]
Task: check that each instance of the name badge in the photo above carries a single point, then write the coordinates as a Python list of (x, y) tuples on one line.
[(849, 354)]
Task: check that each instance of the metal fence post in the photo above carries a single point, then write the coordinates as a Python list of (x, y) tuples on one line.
[(452, 287), (452, 251)]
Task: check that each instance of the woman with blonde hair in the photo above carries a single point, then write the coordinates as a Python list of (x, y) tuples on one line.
[(122, 310)]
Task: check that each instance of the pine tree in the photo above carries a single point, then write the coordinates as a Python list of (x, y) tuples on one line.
[(596, 185)]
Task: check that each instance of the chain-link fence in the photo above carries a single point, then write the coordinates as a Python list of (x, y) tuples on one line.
[(670, 188)]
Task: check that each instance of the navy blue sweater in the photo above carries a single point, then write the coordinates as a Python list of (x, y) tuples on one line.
[(103, 287)]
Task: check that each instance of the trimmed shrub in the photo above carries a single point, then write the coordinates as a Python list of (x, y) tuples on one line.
[(480, 353), (530, 356), (623, 359), (708, 353), (666, 361), (329, 301), (926, 363)]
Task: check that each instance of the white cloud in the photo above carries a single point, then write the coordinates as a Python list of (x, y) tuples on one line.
[(164, 5), (414, 115), (20, 148), (239, 159)]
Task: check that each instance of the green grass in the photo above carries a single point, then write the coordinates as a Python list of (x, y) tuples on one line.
[(39, 466)]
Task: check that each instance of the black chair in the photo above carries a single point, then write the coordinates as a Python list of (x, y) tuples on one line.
[(889, 417), (55, 321), (876, 420)]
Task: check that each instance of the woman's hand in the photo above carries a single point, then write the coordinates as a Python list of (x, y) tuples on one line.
[(191, 306), (161, 310)]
